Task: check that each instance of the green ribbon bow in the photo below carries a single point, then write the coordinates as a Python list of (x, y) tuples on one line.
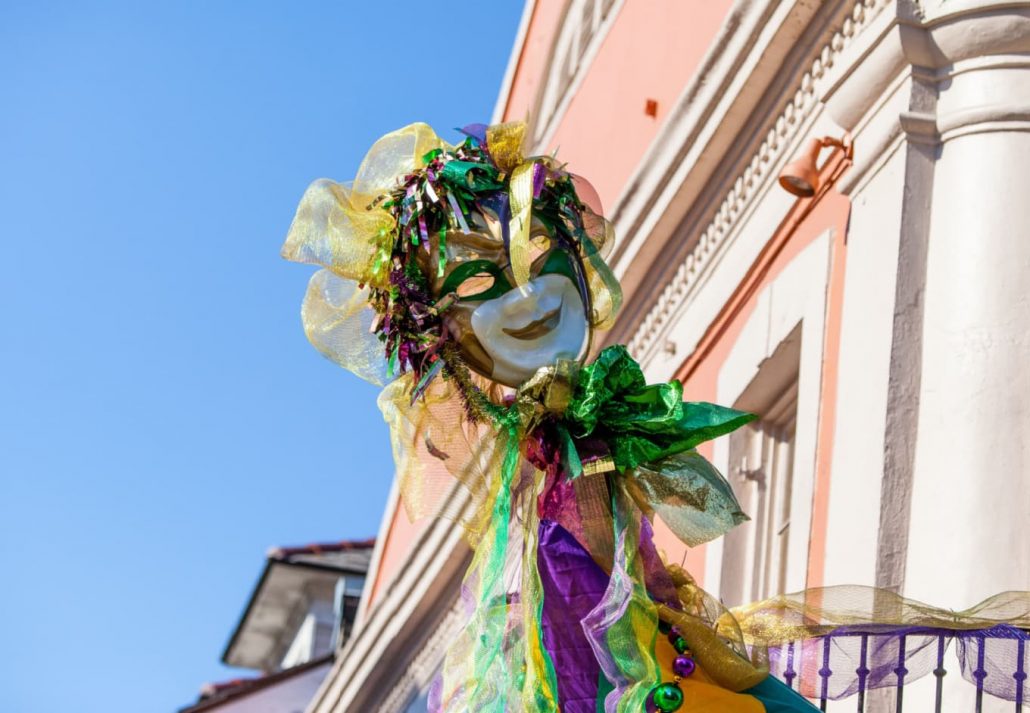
[(650, 435), (640, 423)]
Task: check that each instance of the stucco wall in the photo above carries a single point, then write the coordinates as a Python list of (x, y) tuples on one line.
[(652, 49)]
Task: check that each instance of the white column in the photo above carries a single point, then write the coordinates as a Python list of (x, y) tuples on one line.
[(970, 516)]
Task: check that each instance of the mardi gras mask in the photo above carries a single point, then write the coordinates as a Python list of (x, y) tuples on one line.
[(466, 256), (504, 332)]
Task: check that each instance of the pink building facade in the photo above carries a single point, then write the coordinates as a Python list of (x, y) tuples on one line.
[(879, 326)]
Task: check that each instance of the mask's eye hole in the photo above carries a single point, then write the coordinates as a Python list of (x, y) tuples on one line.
[(539, 245), (478, 280), (475, 285)]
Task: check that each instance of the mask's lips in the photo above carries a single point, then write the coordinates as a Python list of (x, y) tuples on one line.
[(537, 328)]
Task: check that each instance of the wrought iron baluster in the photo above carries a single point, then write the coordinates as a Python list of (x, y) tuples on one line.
[(980, 674), (824, 674), (1020, 674), (900, 672), (789, 673), (863, 672), (939, 672)]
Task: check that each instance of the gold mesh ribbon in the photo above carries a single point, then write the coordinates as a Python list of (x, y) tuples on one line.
[(505, 144), (338, 322), (334, 226), (716, 641), (436, 449), (550, 389), (818, 611)]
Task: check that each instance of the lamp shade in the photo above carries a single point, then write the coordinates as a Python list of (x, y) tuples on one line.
[(801, 176)]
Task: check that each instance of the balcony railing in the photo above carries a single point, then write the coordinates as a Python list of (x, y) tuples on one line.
[(850, 664)]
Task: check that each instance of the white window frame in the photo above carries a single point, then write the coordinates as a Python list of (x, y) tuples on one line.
[(795, 298), (761, 471)]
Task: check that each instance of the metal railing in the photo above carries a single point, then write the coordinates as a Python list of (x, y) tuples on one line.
[(884, 659)]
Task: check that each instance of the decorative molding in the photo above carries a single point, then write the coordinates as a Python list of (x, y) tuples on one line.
[(797, 297), (712, 238), (920, 127), (887, 94), (418, 675), (584, 27), (368, 592)]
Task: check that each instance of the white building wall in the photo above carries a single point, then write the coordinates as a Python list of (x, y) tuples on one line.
[(863, 371), (940, 356)]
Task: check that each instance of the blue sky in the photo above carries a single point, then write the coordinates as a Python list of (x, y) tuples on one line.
[(163, 420)]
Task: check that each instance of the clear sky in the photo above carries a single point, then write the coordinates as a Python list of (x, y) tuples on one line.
[(163, 421)]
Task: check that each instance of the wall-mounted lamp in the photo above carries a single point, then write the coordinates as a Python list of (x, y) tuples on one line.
[(801, 176)]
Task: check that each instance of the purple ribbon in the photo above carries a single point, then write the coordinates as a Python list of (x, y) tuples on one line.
[(573, 585)]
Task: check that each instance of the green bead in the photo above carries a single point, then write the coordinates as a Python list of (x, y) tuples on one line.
[(680, 644), (664, 627), (667, 697)]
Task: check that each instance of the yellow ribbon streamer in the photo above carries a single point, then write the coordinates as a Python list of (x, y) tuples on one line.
[(520, 192), (505, 144)]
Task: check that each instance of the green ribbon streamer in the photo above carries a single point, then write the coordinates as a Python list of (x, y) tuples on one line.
[(441, 261), (491, 604), (570, 456), (631, 638), (495, 678)]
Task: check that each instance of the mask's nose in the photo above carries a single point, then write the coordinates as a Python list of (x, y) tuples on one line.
[(522, 300)]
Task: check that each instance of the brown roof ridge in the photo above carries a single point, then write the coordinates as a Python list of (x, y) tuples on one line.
[(320, 547), (215, 687)]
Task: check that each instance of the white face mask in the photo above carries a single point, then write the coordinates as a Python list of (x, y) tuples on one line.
[(531, 327)]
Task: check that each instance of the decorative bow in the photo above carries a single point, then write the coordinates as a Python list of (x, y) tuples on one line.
[(641, 423), (605, 417)]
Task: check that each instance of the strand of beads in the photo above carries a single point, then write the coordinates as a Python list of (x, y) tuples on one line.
[(668, 697)]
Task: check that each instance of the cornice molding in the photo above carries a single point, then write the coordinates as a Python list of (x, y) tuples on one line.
[(932, 42), (918, 61), (748, 183), (419, 673)]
